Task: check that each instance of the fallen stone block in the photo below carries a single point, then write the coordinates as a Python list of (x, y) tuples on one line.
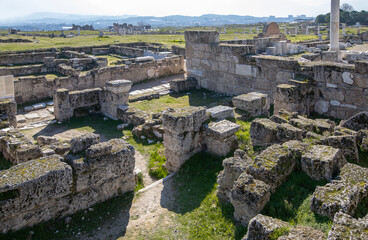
[(322, 162), (273, 166), (263, 132), (255, 104), (347, 227), (342, 195), (83, 142), (248, 196), (266, 228), (286, 132), (356, 122), (233, 168), (346, 143), (45, 140), (221, 112), (303, 233)]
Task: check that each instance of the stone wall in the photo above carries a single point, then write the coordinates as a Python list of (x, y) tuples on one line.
[(50, 187), (339, 90), (23, 58), (106, 100), (128, 51), (31, 89), (24, 70)]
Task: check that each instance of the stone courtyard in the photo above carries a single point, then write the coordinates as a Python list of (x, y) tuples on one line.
[(91, 150)]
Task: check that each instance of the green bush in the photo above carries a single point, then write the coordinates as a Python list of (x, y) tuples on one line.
[(140, 183)]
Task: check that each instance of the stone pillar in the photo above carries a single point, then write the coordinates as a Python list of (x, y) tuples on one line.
[(334, 25), (116, 93), (296, 29), (78, 31), (306, 30), (182, 137), (62, 108), (318, 30), (344, 29), (250, 30), (285, 29), (257, 30), (224, 30)]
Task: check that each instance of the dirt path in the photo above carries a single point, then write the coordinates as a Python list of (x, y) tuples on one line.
[(149, 210)]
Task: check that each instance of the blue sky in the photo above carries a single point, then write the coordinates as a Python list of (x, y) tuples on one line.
[(279, 8)]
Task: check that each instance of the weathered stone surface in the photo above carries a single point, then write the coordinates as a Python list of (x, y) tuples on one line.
[(99, 149), (303, 233), (339, 131), (248, 196), (233, 168), (322, 162), (255, 104), (222, 129), (45, 140), (273, 166), (356, 122), (346, 227), (263, 132), (342, 195), (346, 143), (286, 132), (83, 142), (184, 120), (266, 228), (221, 112), (27, 188)]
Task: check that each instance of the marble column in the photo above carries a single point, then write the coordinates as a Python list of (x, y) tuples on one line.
[(334, 25)]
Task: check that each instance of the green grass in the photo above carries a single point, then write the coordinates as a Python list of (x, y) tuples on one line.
[(291, 202), (198, 213), (181, 100), (4, 164), (140, 184), (112, 60), (156, 162), (92, 220)]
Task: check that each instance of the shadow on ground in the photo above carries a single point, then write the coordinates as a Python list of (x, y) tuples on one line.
[(112, 212)]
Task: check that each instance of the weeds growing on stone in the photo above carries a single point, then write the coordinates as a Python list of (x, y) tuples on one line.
[(139, 183), (4, 164)]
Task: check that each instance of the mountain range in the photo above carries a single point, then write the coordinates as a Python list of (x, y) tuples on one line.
[(55, 21)]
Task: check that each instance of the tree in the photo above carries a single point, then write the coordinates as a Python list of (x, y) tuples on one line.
[(346, 7)]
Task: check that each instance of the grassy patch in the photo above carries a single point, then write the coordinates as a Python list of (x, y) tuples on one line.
[(140, 183), (156, 162), (4, 164), (291, 202), (199, 214), (83, 222), (181, 100)]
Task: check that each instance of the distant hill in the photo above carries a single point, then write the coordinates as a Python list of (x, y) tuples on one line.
[(55, 21)]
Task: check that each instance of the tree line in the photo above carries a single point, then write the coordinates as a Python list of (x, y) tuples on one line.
[(347, 15)]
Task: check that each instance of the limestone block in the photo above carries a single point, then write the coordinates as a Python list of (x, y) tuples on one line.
[(347, 78), (263, 132), (303, 123), (179, 85), (297, 148), (356, 122), (254, 104), (222, 129), (46, 140), (346, 227), (286, 132), (26, 152), (119, 86), (112, 162), (174, 161), (182, 143), (365, 144), (346, 143), (233, 168), (322, 162), (26, 188), (248, 196), (83, 142), (221, 112), (339, 131), (246, 70), (263, 228), (221, 147), (184, 120), (273, 166)]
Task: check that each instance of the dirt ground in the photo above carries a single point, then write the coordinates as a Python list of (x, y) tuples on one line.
[(362, 47)]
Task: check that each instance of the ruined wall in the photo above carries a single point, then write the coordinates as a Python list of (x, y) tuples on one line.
[(22, 58), (47, 188), (31, 89), (341, 90), (24, 70), (128, 51)]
